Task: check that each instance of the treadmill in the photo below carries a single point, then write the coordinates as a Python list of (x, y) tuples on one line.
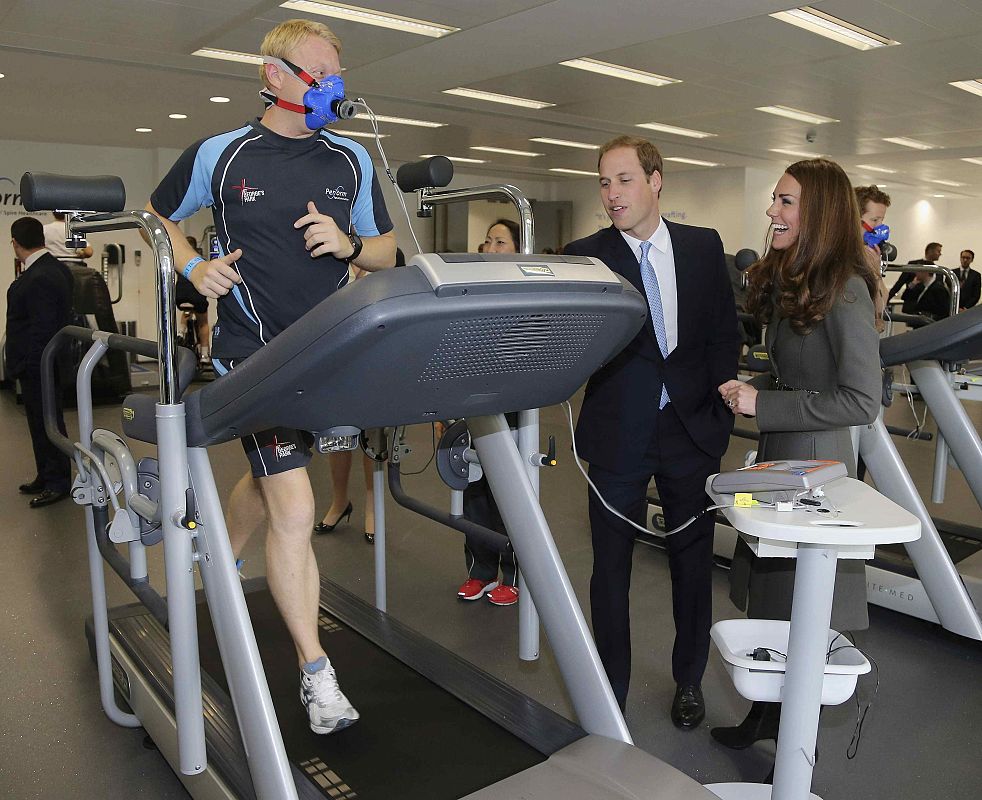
[(939, 578), (437, 339)]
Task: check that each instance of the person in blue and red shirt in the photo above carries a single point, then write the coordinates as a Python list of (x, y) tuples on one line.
[(293, 207)]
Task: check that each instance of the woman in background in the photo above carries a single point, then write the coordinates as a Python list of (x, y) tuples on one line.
[(481, 561)]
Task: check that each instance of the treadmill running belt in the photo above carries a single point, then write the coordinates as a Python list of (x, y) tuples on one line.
[(413, 740)]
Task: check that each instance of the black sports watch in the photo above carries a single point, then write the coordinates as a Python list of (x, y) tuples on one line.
[(357, 244)]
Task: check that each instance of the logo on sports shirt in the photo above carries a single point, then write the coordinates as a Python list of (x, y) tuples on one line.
[(248, 194), (337, 194)]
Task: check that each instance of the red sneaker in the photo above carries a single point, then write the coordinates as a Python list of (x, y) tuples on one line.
[(504, 596), (473, 589)]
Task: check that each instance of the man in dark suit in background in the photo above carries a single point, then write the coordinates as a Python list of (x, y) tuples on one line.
[(969, 280), (927, 296), (39, 304), (932, 252), (654, 411)]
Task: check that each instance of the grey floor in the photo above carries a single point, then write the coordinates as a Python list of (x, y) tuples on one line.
[(920, 741)]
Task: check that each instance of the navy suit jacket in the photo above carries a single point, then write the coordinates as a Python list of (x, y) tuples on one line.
[(971, 289), (39, 304), (620, 406)]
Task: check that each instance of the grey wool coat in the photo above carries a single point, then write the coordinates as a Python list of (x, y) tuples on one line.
[(819, 386)]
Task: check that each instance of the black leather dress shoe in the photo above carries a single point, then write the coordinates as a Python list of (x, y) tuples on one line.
[(688, 707), (46, 498), (34, 487)]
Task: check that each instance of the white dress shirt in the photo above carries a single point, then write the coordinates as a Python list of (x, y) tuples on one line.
[(31, 259), (662, 258)]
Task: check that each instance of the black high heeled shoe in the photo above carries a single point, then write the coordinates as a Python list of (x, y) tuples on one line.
[(323, 527), (761, 723)]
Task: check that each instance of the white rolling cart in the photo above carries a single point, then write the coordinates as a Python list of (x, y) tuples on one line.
[(848, 522)]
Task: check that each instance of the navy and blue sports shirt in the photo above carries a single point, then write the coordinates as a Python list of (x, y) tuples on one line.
[(258, 184)]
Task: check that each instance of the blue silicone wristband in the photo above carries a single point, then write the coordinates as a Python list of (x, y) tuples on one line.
[(191, 265)]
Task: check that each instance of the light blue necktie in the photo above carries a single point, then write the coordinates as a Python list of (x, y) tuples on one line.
[(650, 280)]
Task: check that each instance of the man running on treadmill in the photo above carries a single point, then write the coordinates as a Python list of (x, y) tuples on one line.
[(293, 207)]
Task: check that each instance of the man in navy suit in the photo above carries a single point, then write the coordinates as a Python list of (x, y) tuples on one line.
[(969, 280), (39, 304), (654, 411)]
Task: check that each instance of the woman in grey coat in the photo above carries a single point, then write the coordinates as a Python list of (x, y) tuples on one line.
[(815, 292)]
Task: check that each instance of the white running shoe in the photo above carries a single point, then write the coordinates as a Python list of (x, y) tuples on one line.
[(327, 707)]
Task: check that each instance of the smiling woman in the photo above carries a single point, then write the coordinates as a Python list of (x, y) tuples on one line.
[(814, 289)]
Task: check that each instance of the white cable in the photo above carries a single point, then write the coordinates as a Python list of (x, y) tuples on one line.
[(611, 509), (918, 423), (359, 101)]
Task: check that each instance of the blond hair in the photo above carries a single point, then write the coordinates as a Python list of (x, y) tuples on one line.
[(286, 37)]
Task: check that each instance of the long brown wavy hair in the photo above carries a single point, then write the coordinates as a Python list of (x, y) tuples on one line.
[(804, 281)]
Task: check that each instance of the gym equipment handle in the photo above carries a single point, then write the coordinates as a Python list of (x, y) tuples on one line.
[(186, 365), (425, 174), (43, 191)]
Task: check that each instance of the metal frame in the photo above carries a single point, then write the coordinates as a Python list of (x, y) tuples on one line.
[(528, 421), (194, 532)]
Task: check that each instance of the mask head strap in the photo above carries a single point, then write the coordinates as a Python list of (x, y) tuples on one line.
[(285, 65)]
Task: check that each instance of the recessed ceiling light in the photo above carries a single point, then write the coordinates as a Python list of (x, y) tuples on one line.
[(368, 16), (2, 75), (507, 152), (419, 123), (797, 153), (871, 168), (975, 86), (692, 134), (565, 171), (219, 99), (357, 134), (177, 116), (144, 130), (945, 183), (617, 71), (881, 186), (973, 161), (565, 143), (913, 143), (796, 114), (938, 195), (228, 55), (494, 97), (815, 21), (461, 159), (693, 161)]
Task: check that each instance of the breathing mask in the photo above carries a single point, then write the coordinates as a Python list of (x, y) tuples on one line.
[(323, 102), (874, 237)]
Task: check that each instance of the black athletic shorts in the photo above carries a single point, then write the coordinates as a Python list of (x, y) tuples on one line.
[(272, 451), (186, 294)]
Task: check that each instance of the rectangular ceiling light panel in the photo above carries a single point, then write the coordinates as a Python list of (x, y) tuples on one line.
[(796, 114), (494, 97), (818, 22), (617, 71), (228, 55), (689, 132), (368, 16)]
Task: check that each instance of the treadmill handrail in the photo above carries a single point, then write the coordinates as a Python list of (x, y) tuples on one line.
[(947, 274), (427, 198), (487, 536)]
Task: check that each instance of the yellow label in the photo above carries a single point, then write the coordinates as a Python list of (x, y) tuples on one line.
[(128, 413), (743, 500)]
